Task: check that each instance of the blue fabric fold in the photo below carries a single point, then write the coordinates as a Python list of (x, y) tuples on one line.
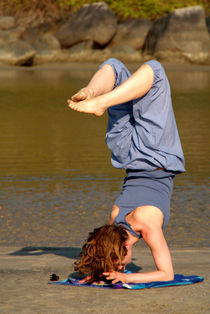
[(178, 281)]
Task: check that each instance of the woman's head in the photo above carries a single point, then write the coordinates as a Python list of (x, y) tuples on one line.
[(104, 251)]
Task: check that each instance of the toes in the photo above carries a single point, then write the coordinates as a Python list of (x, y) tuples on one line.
[(74, 106), (79, 96)]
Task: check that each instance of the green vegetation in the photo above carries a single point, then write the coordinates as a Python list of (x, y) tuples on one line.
[(123, 9), (151, 9)]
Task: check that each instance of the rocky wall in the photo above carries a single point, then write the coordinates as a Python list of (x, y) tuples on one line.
[(93, 34)]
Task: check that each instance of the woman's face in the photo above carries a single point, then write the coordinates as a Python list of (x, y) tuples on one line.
[(127, 258)]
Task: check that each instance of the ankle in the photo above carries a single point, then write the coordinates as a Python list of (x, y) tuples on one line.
[(106, 101), (102, 102)]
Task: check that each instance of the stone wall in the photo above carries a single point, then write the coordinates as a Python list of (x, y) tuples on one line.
[(93, 34)]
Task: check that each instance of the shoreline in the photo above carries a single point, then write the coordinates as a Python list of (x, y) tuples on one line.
[(25, 289), (185, 76), (172, 66)]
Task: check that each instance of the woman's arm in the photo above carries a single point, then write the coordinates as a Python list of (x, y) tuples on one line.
[(148, 220), (134, 87), (155, 239), (162, 258)]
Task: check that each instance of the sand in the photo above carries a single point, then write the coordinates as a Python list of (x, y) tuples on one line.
[(25, 289)]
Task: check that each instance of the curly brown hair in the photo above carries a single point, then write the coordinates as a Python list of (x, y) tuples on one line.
[(103, 252)]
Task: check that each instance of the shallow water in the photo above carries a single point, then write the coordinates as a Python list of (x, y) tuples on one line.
[(56, 179)]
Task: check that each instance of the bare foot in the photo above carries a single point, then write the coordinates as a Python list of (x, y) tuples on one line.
[(92, 106), (82, 94)]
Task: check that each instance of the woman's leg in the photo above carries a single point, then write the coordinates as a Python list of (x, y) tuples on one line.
[(110, 75), (102, 82), (128, 89)]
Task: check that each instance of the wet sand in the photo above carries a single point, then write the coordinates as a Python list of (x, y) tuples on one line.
[(25, 289)]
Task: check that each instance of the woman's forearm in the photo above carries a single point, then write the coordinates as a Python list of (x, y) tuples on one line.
[(158, 275)]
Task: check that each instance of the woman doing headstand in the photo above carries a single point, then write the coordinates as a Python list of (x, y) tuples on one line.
[(143, 138)]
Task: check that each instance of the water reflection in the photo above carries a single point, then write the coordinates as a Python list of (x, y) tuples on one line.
[(56, 179)]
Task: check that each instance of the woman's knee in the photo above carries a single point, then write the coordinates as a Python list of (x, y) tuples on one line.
[(120, 70)]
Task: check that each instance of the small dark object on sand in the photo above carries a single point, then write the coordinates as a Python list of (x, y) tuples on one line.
[(54, 277)]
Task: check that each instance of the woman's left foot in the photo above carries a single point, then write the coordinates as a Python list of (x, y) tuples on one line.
[(91, 106)]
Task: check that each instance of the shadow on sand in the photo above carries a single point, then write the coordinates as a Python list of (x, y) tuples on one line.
[(69, 252)]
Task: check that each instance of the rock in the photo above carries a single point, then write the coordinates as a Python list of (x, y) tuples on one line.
[(47, 49), (92, 22), (176, 56), (17, 53), (43, 43), (88, 55), (83, 51), (182, 34), (124, 53), (7, 22), (83, 46), (131, 33), (11, 34), (46, 45), (55, 56), (208, 23)]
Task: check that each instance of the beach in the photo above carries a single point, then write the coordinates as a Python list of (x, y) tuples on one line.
[(57, 184), (25, 274)]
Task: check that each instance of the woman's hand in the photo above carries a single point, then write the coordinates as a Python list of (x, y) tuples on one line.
[(116, 276), (86, 279)]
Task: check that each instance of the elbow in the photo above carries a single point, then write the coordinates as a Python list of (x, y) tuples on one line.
[(169, 276), (172, 276)]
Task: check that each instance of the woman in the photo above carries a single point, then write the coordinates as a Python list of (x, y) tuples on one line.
[(143, 138)]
